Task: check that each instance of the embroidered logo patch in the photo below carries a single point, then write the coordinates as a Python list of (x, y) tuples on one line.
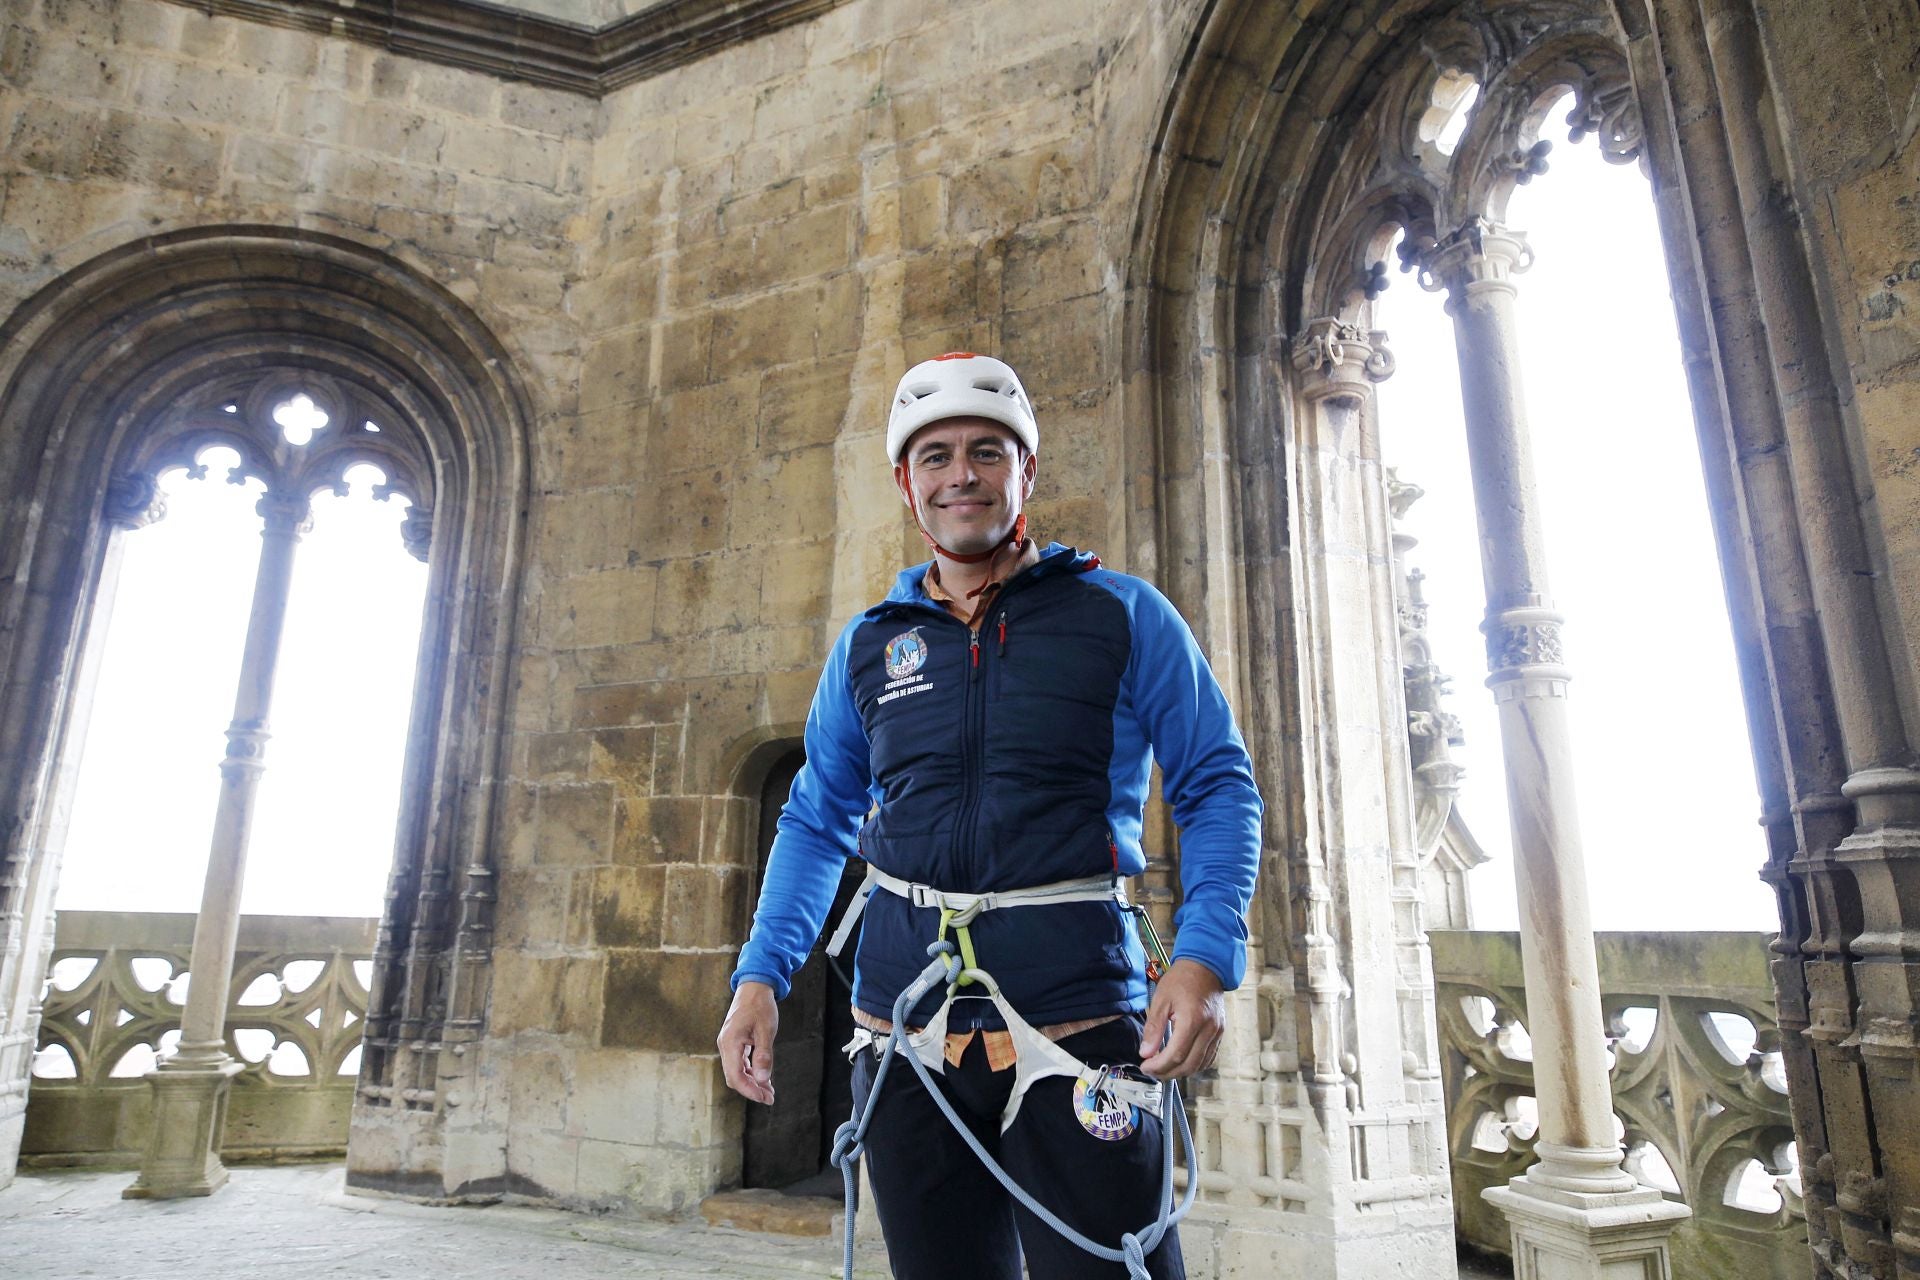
[(1103, 1115), (906, 653)]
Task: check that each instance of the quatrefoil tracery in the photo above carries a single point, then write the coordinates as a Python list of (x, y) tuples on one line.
[(297, 433)]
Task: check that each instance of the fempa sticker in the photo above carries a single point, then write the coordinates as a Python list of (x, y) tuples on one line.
[(1103, 1115), (906, 653)]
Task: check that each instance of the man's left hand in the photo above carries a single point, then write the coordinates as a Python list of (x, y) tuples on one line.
[(1188, 995)]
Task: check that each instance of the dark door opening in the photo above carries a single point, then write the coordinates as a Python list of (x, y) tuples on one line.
[(787, 1144)]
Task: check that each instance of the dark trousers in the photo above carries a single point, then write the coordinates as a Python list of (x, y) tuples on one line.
[(944, 1216)]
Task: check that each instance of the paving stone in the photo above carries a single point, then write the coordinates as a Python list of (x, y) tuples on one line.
[(299, 1222)]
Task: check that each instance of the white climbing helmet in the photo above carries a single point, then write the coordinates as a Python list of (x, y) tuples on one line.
[(959, 384)]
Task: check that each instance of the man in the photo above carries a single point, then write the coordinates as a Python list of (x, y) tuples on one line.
[(990, 726)]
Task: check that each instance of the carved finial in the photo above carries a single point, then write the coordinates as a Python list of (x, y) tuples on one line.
[(1529, 163), (1604, 105)]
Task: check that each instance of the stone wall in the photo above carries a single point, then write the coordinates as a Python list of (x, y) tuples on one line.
[(776, 233), (708, 281), (711, 279)]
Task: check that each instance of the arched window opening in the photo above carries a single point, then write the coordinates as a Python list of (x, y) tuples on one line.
[(1664, 815), (176, 613)]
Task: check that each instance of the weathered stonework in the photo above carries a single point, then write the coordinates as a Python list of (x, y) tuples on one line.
[(649, 325)]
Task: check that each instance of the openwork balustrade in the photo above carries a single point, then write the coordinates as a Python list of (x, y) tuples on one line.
[(1699, 1092), (113, 1002)]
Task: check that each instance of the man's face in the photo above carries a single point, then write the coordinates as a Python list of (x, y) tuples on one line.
[(969, 479)]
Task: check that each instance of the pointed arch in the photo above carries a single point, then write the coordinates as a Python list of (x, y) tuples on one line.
[(87, 366)]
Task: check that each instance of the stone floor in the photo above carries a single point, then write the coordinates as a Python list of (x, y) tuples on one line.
[(295, 1222)]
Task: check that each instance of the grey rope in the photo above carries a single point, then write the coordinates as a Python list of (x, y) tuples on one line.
[(848, 1144)]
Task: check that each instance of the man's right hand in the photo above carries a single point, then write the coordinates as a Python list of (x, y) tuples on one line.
[(746, 1042)]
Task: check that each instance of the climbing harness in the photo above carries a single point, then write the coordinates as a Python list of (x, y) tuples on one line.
[(1106, 1099)]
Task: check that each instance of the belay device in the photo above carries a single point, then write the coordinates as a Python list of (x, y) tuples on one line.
[(1103, 1096)]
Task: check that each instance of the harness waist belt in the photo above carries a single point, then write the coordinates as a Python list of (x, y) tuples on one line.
[(966, 906)]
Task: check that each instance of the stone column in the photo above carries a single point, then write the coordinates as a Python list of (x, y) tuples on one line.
[(1578, 1212), (190, 1087)]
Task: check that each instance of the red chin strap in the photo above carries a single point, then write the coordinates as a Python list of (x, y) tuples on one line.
[(1015, 536)]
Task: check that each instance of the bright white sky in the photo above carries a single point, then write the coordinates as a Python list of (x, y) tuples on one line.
[(149, 779), (1666, 789), (1668, 806)]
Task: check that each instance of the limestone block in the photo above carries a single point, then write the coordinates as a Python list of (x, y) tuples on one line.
[(560, 995), (56, 139), (575, 825), (1050, 266), (649, 702), (761, 649), (938, 292), (810, 243), (828, 92), (599, 447), (1007, 192), (662, 1000), (625, 292), (353, 176), (705, 906), (689, 1096), (538, 1084), (803, 404), (706, 427), (612, 607), (1061, 348), (623, 907), (542, 1165), (729, 826), (272, 162), (677, 516), (707, 593), (790, 693), (164, 152), (616, 368), (532, 910), (658, 829), (796, 581), (277, 51), (684, 347), (716, 131), (612, 1099), (773, 329), (451, 89), (519, 819), (211, 94), (395, 132), (784, 497), (514, 208), (470, 1158), (583, 532), (623, 757), (70, 72)]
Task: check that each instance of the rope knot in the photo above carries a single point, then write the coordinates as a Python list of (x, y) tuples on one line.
[(1136, 1257), (847, 1147)]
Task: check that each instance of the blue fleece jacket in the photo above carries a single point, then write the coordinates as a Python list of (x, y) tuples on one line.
[(1016, 757)]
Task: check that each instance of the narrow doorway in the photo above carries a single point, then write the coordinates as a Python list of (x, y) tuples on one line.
[(787, 1144)]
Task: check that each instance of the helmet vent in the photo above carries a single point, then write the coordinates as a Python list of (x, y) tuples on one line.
[(987, 384)]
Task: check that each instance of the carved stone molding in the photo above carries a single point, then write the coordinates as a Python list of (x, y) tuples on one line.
[(1342, 352), (520, 46)]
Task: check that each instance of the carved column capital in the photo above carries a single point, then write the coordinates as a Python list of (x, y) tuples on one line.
[(134, 501), (288, 515), (1480, 254), (1524, 656), (1337, 354)]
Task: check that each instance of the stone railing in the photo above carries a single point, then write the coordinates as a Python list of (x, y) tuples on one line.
[(1698, 1089), (112, 1004)]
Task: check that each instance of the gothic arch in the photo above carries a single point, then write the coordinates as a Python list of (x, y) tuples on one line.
[(1274, 170), (86, 366)]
